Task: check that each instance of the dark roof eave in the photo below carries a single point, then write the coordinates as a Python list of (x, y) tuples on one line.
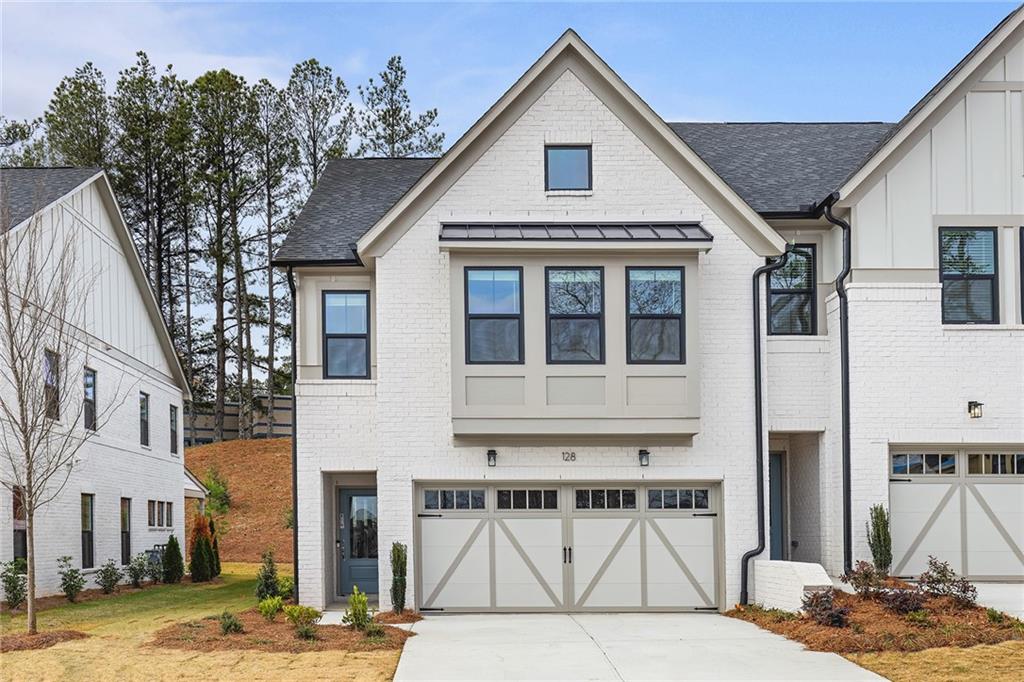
[(311, 262)]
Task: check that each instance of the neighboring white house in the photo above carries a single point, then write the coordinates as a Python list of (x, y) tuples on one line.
[(533, 359), (126, 489)]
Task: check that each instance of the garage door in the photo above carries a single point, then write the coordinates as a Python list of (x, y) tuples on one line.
[(540, 547), (961, 506)]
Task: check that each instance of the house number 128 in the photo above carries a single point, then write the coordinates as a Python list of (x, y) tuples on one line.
[(568, 456)]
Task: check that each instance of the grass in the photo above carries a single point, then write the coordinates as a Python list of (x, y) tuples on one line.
[(982, 663)]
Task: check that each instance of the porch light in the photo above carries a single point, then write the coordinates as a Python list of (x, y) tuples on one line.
[(492, 458), (645, 458), (974, 409)]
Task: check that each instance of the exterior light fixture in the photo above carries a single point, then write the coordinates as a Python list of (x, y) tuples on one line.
[(492, 458), (645, 458), (974, 409)]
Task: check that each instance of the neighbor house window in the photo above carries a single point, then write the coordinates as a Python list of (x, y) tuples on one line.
[(654, 324), (346, 343), (575, 315), (126, 531), (174, 429), (969, 275), (792, 299), (151, 513), (89, 399), (51, 383), (87, 539), (20, 523), (144, 418), (568, 167), (494, 315)]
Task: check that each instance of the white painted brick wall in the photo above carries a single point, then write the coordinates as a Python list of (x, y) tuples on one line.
[(782, 584)]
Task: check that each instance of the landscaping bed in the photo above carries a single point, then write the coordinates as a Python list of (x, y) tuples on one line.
[(42, 640), (392, 618), (277, 636)]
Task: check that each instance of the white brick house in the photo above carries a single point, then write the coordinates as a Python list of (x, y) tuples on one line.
[(533, 359), (125, 492)]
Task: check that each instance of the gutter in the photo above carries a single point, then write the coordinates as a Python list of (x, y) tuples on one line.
[(758, 422), (295, 446)]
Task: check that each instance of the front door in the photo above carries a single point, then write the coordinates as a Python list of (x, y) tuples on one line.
[(356, 541)]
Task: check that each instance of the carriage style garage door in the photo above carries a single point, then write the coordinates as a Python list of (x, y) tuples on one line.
[(557, 547), (962, 506)]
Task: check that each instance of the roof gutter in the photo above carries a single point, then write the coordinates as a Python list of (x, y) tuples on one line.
[(295, 444), (759, 434)]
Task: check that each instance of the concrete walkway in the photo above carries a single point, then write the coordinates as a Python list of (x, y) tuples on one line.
[(610, 647)]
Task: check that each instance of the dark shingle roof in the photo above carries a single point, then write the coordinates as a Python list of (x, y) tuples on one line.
[(23, 191), (616, 232), (782, 167)]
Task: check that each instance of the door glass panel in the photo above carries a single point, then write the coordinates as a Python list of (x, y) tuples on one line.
[(700, 499), (629, 499), (462, 499), (430, 499), (686, 499), (362, 525), (477, 499), (583, 499), (551, 497), (916, 464), (949, 464), (654, 499), (447, 499), (519, 499), (614, 499), (931, 464), (670, 499), (504, 499)]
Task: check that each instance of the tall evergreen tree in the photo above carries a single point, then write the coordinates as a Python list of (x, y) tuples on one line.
[(78, 119), (22, 143), (322, 117), (386, 124)]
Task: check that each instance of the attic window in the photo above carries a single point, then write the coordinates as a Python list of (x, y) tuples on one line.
[(567, 167)]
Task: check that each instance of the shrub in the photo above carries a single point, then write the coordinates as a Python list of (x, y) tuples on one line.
[(995, 616), (903, 601), (173, 564), (71, 579), (201, 566), (919, 617), (270, 606), (286, 586), (358, 613), (820, 606), (941, 580), (219, 499), (304, 618), (865, 579), (266, 579), (375, 631), (305, 632), (108, 577), (229, 623), (136, 569), (216, 549), (879, 540), (289, 519), (13, 578), (399, 560)]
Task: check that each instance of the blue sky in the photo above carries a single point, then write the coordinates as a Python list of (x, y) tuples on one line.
[(744, 62)]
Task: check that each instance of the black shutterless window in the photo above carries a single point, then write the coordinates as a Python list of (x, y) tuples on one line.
[(346, 342), (174, 429), (568, 167), (494, 315), (88, 559), (126, 531), (575, 315), (20, 522), (655, 330), (144, 418), (89, 399), (51, 383), (792, 297), (969, 273)]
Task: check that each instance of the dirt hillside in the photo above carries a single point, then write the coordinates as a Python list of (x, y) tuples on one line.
[(259, 481)]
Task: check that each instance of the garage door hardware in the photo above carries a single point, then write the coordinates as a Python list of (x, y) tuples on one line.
[(707, 514), (901, 480), (564, 555), (430, 516)]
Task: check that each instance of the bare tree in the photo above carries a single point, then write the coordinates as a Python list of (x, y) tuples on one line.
[(44, 424)]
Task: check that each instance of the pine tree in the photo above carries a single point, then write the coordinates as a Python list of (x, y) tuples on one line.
[(22, 143), (78, 119), (387, 126), (216, 548), (322, 117), (173, 564)]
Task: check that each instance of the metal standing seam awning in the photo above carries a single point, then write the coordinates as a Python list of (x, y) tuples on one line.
[(576, 232)]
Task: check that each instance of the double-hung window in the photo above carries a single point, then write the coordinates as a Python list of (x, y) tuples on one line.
[(575, 315), (792, 299), (160, 514), (494, 315), (151, 513), (89, 399), (88, 560), (654, 317), (568, 167), (969, 275), (144, 418), (174, 429), (126, 531), (346, 342), (51, 383), (20, 523)]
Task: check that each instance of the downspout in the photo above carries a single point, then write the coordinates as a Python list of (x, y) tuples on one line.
[(758, 422), (844, 364), (295, 445)]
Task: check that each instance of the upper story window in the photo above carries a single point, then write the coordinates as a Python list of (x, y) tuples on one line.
[(969, 275), (575, 314), (792, 297), (494, 315), (655, 332), (51, 383), (346, 342), (174, 429), (89, 399), (567, 167), (144, 418)]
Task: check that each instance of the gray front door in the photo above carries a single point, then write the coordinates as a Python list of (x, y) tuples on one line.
[(357, 540)]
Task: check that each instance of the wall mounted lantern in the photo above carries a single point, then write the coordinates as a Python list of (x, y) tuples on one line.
[(492, 458), (645, 458), (974, 409)]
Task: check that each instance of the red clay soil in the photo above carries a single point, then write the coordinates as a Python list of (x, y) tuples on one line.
[(277, 636), (42, 640), (392, 618), (872, 627), (259, 481)]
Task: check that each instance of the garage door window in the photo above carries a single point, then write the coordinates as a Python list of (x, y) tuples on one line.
[(677, 498), (527, 499), (1009, 464), (606, 498), (923, 464), (454, 499)]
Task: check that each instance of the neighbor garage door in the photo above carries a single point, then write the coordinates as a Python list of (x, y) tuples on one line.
[(556, 547), (961, 506)]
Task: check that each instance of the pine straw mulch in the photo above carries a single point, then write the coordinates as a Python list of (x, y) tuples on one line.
[(873, 628), (42, 640), (392, 618), (274, 637)]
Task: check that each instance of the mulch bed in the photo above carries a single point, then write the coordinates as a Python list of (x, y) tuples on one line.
[(392, 618), (42, 640), (872, 627), (276, 637)]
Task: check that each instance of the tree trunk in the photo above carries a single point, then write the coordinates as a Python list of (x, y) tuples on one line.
[(218, 328), (30, 542), (272, 316)]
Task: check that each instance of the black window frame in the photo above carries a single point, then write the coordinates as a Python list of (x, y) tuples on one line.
[(467, 316), (88, 536), (89, 404), (51, 391), (151, 513), (169, 514), (173, 417), (126, 530), (548, 316), (993, 278), (590, 167), (812, 249), (160, 504), (144, 410), (20, 526), (324, 336), (681, 317)]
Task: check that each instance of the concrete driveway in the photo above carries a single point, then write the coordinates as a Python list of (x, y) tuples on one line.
[(610, 647)]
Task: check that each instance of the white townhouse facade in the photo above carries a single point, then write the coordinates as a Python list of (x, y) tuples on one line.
[(592, 360), (125, 492)]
